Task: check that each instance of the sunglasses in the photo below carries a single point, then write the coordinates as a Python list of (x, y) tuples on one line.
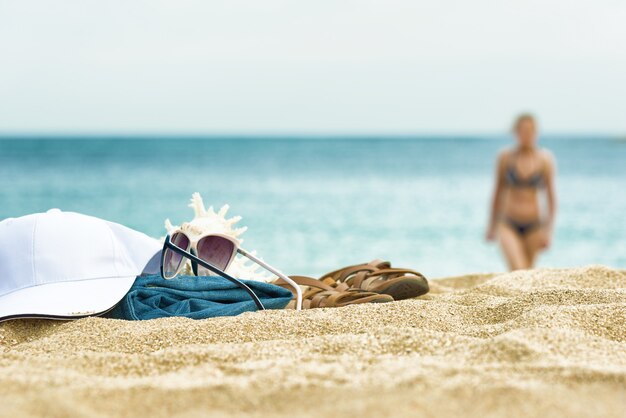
[(212, 253)]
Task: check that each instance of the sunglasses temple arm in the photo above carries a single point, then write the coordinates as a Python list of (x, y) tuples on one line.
[(215, 270), (244, 286), (276, 272)]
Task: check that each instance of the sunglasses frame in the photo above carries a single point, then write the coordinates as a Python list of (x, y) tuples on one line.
[(238, 250), (173, 247)]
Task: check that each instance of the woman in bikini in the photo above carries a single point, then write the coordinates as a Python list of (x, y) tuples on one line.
[(523, 174)]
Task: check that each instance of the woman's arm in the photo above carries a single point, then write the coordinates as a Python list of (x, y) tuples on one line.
[(497, 197), (551, 197)]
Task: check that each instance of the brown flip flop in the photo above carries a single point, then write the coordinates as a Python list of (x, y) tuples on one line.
[(328, 293), (379, 277)]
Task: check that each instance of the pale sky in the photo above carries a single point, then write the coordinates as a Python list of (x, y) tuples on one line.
[(311, 67)]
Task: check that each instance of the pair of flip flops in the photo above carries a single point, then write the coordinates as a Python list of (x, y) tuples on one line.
[(373, 282)]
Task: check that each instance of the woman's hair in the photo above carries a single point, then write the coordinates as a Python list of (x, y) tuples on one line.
[(523, 118)]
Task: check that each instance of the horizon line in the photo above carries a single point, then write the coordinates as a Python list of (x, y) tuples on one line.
[(290, 135)]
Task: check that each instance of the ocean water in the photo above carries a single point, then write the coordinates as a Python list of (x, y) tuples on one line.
[(315, 204)]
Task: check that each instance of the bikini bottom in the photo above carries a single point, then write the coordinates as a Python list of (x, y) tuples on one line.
[(522, 228)]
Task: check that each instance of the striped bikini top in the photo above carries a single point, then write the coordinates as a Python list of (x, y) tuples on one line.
[(513, 178)]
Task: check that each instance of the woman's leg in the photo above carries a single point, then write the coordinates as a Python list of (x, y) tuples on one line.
[(533, 244), (513, 248)]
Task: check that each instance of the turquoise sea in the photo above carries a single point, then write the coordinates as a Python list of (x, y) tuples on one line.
[(315, 204)]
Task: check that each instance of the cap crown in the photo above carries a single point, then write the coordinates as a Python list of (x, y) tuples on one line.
[(57, 246)]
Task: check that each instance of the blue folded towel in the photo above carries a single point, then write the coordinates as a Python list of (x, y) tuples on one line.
[(194, 297)]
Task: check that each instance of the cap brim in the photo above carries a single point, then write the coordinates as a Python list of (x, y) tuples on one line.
[(65, 300)]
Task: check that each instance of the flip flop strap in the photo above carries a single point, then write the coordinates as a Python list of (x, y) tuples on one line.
[(304, 281), (364, 277), (395, 272), (356, 275), (341, 274), (327, 292)]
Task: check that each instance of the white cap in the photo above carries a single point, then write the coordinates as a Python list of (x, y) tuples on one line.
[(64, 264)]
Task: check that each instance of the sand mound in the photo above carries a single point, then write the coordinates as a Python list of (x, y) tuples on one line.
[(544, 342)]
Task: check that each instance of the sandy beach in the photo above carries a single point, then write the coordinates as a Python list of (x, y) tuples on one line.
[(528, 343)]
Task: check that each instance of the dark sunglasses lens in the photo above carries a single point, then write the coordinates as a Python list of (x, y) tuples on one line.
[(217, 251), (173, 260)]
